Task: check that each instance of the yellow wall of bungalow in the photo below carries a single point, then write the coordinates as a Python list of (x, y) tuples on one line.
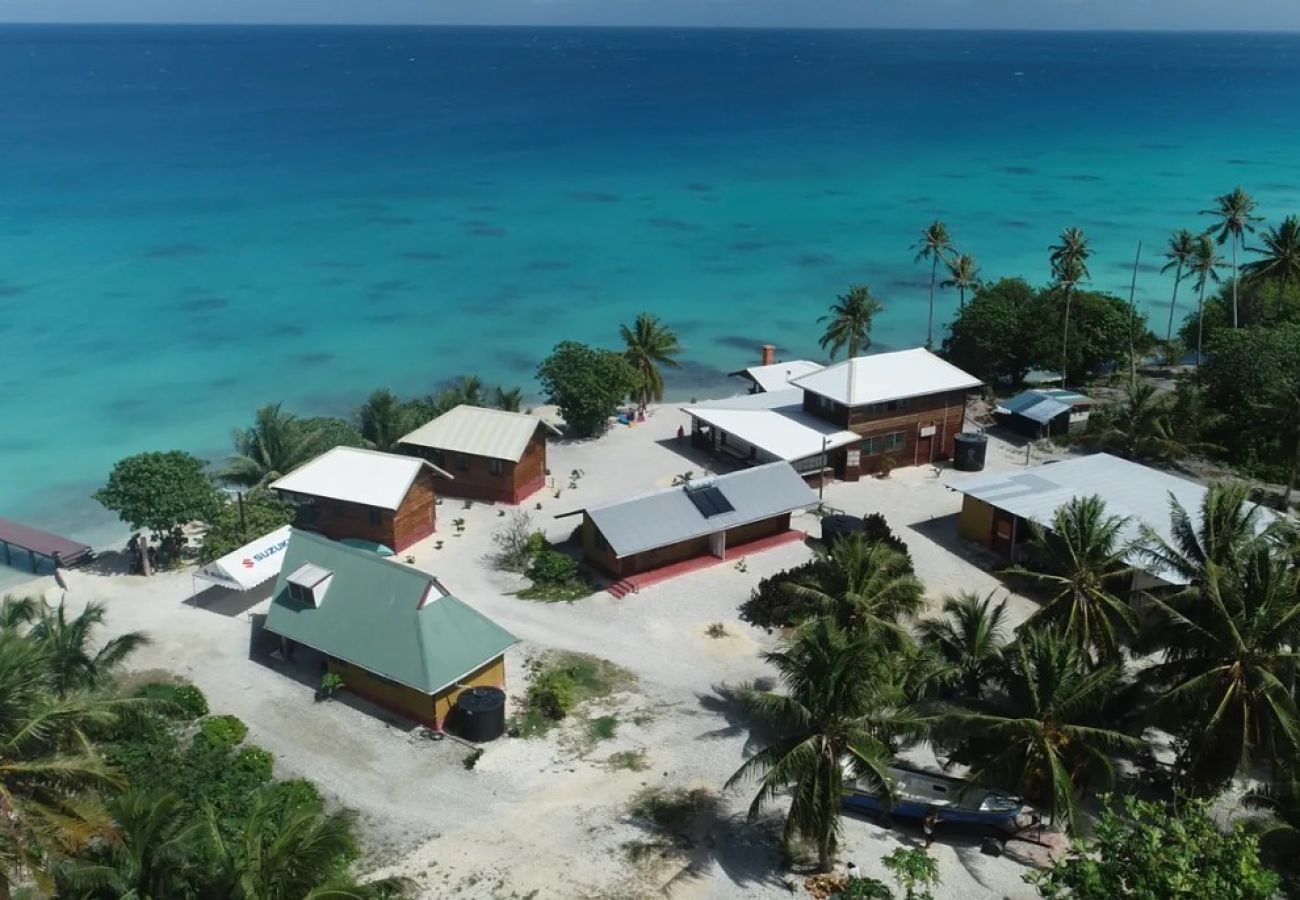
[(976, 521), (431, 710)]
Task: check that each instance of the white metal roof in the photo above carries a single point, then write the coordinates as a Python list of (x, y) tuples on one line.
[(353, 475), (774, 422), (777, 376), (887, 376), (251, 564), (1136, 492), (477, 430), (669, 516)]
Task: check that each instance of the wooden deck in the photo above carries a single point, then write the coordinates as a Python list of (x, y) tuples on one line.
[(37, 544)]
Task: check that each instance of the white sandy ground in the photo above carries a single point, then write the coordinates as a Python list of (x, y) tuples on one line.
[(547, 818)]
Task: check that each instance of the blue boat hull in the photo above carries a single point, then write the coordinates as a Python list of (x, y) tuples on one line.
[(905, 809)]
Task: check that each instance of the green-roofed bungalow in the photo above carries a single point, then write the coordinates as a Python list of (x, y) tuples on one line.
[(392, 632)]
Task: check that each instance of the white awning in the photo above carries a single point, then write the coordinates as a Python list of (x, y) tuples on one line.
[(251, 564)]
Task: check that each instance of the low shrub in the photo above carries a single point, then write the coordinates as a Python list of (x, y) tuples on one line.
[(330, 685), (223, 731), (550, 567), (183, 702), (254, 764), (559, 685), (877, 531), (770, 604), (603, 728)]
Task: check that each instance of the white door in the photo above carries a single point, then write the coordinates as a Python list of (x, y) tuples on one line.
[(718, 544)]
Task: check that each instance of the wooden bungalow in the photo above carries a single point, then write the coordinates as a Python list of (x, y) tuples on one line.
[(383, 498), (392, 632), (847, 419), (701, 519), (495, 455)]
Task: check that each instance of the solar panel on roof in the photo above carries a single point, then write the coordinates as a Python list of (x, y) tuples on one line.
[(709, 501)]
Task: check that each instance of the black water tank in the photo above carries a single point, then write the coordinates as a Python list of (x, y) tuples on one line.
[(969, 450), (481, 714), (839, 526)]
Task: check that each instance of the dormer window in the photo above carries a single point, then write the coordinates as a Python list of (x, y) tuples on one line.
[(308, 584)]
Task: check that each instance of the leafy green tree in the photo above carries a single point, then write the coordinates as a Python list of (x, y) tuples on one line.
[(384, 419), (1081, 557), (1228, 650), (159, 491), (1179, 252), (77, 660), (1069, 260), (586, 384), (964, 275), (934, 245), (1146, 850), (650, 344), (848, 322), (1046, 729), (276, 444), (1100, 328), (1280, 256), (836, 721), (153, 856), (915, 871), (1244, 372), (864, 586), (968, 640), (1235, 218), (232, 528), (990, 335)]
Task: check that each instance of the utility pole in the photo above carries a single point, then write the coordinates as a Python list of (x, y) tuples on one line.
[(1132, 323), (821, 479)]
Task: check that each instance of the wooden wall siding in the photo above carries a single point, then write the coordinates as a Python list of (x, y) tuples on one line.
[(743, 534), (838, 413), (431, 710), (416, 518), (602, 557), (659, 557)]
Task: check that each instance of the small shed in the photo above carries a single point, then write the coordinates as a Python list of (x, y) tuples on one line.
[(495, 455), (698, 519), (393, 633), (1045, 412)]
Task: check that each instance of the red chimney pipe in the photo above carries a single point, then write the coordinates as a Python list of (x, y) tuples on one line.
[(769, 354)]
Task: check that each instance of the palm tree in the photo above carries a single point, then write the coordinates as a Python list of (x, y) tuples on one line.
[(153, 854), (1235, 214), (47, 764), (964, 275), (865, 587), (290, 850), (1228, 652), (276, 444), (1285, 410), (1280, 834), (1045, 731), (934, 245), (1281, 255), (384, 419), (1179, 253), (1204, 265), (969, 640), (1081, 556), (1227, 528), (1139, 425), (649, 345), (1069, 260), (836, 721), (74, 663), (848, 323), (509, 399)]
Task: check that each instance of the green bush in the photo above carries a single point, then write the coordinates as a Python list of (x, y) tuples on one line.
[(330, 684), (877, 531), (550, 567), (183, 702), (770, 605), (254, 764), (297, 792), (223, 731), (865, 889), (553, 693)]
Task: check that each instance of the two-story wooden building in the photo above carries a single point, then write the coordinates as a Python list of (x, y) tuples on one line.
[(365, 495), (846, 419), (494, 455)]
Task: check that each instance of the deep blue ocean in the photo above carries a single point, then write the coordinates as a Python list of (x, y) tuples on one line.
[(198, 221)]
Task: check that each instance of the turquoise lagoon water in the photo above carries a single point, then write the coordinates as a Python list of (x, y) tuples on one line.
[(198, 221)]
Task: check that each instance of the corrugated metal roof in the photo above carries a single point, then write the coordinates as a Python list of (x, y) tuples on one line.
[(372, 617), (887, 376), (777, 376), (1035, 406), (773, 421), (1129, 490), (494, 433), (354, 475), (668, 516)]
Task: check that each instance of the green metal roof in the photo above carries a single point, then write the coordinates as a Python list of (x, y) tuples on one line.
[(371, 616)]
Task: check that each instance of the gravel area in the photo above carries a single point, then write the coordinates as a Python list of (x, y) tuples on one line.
[(548, 817)]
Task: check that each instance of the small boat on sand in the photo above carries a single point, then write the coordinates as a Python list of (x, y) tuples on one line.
[(916, 794)]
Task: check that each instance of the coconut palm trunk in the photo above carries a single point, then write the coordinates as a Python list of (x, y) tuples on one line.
[(1173, 302), (1234, 281), (1200, 324), (1065, 338), (929, 324)]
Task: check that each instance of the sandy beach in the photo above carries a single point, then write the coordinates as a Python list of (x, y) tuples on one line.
[(548, 818)]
